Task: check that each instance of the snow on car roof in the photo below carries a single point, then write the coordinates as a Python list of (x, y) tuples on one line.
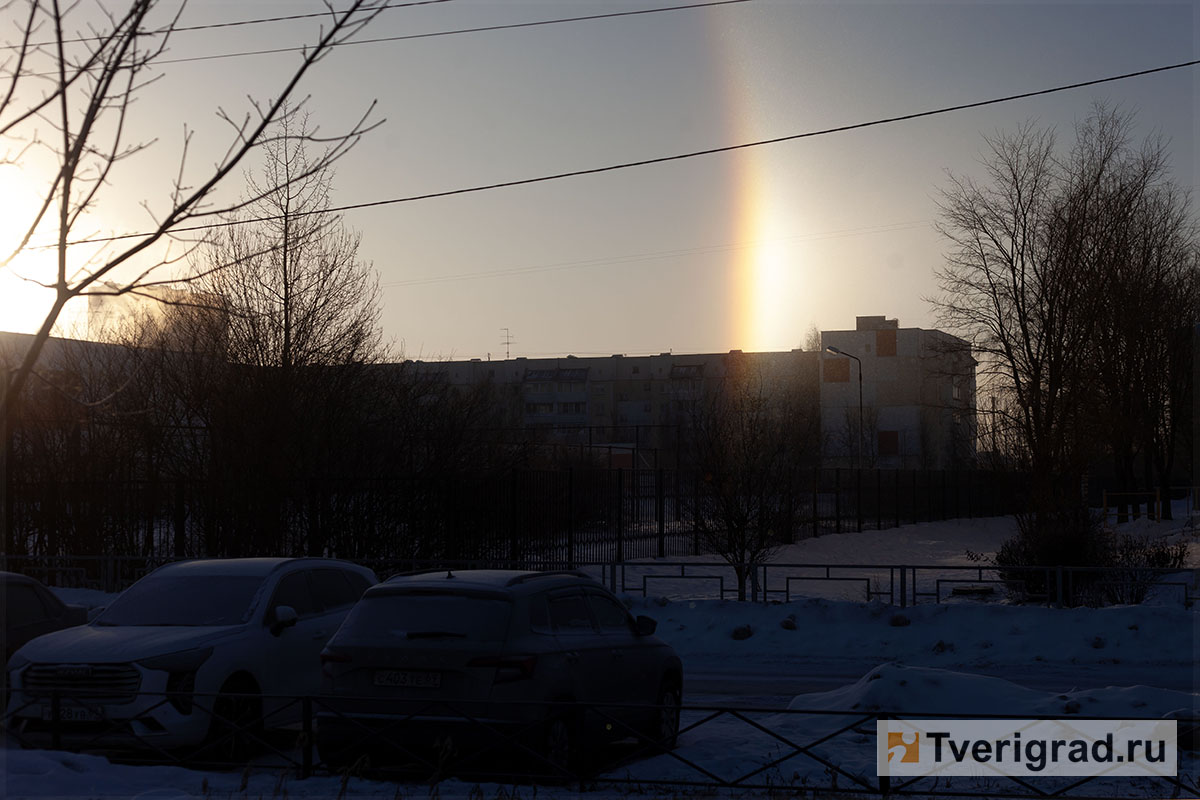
[(484, 578), (239, 566), (17, 577)]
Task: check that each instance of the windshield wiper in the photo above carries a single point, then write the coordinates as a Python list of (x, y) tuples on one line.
[(435, 635)]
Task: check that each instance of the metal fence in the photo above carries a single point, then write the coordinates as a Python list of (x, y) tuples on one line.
[(572, 515), (790, 750), (701, 578)]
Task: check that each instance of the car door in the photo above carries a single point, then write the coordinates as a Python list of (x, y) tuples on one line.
[(293, 660), (626, 677), (576, 634)]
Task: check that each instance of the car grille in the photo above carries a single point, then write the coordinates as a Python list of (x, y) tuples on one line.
[(109, 681)]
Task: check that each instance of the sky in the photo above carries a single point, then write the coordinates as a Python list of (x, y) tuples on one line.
[(741, 250)]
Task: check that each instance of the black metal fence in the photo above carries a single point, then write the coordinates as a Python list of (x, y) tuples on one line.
[(896, 584), (571, 515), (794, 750)]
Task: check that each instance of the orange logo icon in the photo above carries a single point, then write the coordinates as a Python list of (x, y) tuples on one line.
[(906, 744)]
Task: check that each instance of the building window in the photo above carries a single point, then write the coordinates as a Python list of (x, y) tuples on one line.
[(889, 443), (836, 370), (885, 343), (636, 370), (955, 391), (572, 408), (539, 408)]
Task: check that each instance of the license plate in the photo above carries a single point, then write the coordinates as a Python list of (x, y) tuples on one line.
[(70, 714), (418, 680)]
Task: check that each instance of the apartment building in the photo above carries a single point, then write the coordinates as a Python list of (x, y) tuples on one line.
[(918, 393), (912, 391)]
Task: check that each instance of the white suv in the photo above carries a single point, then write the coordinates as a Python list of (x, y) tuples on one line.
[(196, 652)]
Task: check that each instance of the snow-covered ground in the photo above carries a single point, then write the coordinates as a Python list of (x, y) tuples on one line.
[(1131, 661)]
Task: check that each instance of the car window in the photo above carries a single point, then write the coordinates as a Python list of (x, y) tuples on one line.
[(539, 615), (429, 617), (294, 591), (333, 589), (359, 581), (22, 605), (610, 615), (569, 614), (170, 599)]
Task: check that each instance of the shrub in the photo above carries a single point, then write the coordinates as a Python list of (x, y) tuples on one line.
[(1126, 566)]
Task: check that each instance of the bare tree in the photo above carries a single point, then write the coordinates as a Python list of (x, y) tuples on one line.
[(1068, 273), (1015, 289), (748, 436), (79, 69), (293, 327), (812, 339)]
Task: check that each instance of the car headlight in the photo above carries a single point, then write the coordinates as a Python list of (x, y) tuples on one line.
[(17, 663), (181, 670), (183, 661)]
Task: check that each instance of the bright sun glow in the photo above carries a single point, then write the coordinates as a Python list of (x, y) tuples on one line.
[(23, 302)]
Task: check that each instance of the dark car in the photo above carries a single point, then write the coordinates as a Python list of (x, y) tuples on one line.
[(469, 660), (30, 610)]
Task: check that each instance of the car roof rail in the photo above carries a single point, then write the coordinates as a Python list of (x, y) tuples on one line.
[(529, 576), (412, 572)]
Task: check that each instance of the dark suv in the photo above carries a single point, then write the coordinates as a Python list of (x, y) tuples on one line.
[(464, 658)]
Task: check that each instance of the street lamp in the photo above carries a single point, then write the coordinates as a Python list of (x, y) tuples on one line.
[(858, 452)]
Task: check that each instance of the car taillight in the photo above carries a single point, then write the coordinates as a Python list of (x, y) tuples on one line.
[(508, 668), (331, 657)]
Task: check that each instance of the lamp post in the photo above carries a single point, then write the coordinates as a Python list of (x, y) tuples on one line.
[(858, 451)]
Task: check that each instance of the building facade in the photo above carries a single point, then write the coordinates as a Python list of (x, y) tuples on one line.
[(909, 391), (918, 394)]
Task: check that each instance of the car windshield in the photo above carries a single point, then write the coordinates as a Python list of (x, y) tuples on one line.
[(185, 600), (430, 616)]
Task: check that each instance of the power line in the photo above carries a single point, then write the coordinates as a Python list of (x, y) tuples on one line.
[(433, 34), (230, 24), (411, 36), (635, 258), (663, 159)]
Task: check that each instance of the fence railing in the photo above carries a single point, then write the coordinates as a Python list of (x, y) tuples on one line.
[(568, 514), (603, 745), (897, 584)]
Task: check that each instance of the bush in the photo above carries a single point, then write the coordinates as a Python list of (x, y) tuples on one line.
[(1138, 560), (1077, 538), (1072, 537)]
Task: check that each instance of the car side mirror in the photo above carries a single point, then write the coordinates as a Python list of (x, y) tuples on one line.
[(285, 617), (645, 625)]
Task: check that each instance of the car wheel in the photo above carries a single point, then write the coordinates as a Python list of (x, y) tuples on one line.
[(664, 732), (236, 728)]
